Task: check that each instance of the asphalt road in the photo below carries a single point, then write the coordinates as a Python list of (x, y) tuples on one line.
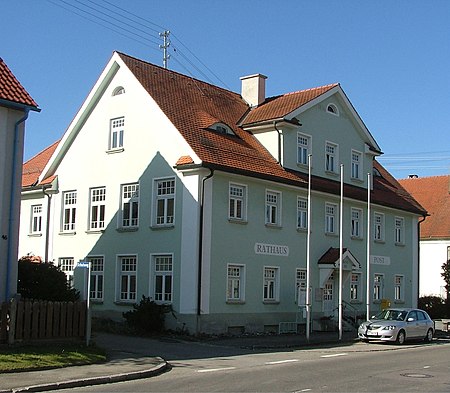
[(356, 368)]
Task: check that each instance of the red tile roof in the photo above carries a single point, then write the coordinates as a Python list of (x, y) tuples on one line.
[(11, 89), (433, 193), (32, 169)]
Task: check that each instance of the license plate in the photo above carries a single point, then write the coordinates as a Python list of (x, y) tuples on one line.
[(372, 334)]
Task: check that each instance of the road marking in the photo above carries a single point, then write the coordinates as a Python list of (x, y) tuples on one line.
[(303, 390), (334, 355), (209, 370), (283, 361)]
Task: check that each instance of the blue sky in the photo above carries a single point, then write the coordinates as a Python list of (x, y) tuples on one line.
[(392, 58)]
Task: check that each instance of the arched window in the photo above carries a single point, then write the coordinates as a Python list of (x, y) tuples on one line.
[(331, 108), (118, 90)]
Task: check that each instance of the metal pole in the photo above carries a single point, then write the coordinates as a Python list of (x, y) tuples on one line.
[(164, 47), (308, 254), (341, 221), (368, 248), (88, 303)]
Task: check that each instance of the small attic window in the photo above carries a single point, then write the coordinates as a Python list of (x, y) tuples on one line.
[(222, 128), (118, 90), (333, 109)]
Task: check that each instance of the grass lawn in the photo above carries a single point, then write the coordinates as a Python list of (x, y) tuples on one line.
[(48, 356)]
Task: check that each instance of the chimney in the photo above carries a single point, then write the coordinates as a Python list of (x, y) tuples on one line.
[(254, 89)]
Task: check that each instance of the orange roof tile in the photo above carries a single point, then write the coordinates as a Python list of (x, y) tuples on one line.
[(32, 169), (433, 193), (11, 89)]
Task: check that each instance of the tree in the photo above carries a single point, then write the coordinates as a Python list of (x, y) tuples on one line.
[(446, 276), (43, 281)]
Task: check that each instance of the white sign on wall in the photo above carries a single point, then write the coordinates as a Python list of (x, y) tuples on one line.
[(380, 260), (271, 249)]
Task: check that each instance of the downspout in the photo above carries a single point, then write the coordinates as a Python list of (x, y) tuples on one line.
[(200, 248), (12, 202), (279, 141), (47, 225), (418, 256)]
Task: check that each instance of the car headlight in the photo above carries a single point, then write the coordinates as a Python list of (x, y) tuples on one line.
[(391, 327)]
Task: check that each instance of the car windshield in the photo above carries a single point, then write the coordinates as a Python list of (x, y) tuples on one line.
[(391, 315)]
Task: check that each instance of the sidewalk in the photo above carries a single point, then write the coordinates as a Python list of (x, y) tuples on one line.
[(137, 357)]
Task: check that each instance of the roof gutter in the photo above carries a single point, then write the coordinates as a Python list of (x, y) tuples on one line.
[(418, 255)]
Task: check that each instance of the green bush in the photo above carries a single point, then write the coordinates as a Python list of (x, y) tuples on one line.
[(435, 306), (147, 316), (43, 281)]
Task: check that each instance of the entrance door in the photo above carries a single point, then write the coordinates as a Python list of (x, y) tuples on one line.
[(328, 299)]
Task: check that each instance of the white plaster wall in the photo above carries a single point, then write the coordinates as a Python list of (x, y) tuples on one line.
[(433, 253)]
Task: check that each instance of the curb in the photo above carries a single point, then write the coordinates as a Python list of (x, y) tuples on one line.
[(151, 372)]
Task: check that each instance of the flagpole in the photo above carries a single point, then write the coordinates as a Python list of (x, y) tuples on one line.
[(341, 225), (308, 253), (368, 248)]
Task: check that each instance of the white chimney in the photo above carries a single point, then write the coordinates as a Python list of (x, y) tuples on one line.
[(254, 89)]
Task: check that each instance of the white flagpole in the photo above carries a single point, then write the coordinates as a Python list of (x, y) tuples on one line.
[(341, 221), (368, 248), (308, 253)]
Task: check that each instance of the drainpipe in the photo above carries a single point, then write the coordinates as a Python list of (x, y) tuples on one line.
[(200, 248), (418, 256), (279, 141), (12, 202), (47, 225)]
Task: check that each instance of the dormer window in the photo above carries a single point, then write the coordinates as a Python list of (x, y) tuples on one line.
[(333, 109), (118, 90), (222, 128)]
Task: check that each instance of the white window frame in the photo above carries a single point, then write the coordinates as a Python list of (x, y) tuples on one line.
[(129, 202), (355, 287), (97, 277), (331, 157), (237, 202), (235, 283), (36, 219), (69, 211), (334, 109), (116, 133), (304, 145), (356, 220), (162, 269), (300, 282), (67, 265), (399, 288), (331, 218), (273, 208), (399, 227), (356, 167), (126, 268), (302, 213), (271, 284), (164, 191), (378, 287), (97, 208), (378, 227)]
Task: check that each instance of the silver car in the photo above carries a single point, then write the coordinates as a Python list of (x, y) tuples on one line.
[(397, 325)]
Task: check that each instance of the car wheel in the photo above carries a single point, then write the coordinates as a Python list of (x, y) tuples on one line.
[(401, 337), (429, 336)]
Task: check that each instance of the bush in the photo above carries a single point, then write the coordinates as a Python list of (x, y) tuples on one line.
[(435, 306), (43, 281), (147, 316)]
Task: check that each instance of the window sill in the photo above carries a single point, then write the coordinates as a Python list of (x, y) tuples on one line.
[(235, 301), (160, 227), (34, 234), (399, 302), (332, 234), (356, 238), (127, 229), (96, 301), (114, 151), (96, 231), (302, 230), (377, 302), (379, 241), (274, 226), (355, 301), (68, 233), (357, 180), (238, 221), (124, 302), (400, 244), (331, 173), (271, 302)]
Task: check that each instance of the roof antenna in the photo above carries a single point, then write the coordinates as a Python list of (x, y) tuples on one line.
[(164, 46)]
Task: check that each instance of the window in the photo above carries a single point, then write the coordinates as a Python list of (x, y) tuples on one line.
[(127, 278), (356, 223), (130, 205), (36, 219), (356, 165), (398, 288), (333, 109), (235, 283), (162, 272), (69, 210), (165, 201), (66, 265), (378, 233), (97, 266), (237, 202), (270, 284), (118, 91), (331, 157), (355, 286), (117, 129), (303, 148), (378, 281), (300, 286), (399, 230), (330, 218), (302, 213), (97, 210), (273, 208)]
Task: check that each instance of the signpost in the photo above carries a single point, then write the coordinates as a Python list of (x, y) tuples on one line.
[(87, 265)]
